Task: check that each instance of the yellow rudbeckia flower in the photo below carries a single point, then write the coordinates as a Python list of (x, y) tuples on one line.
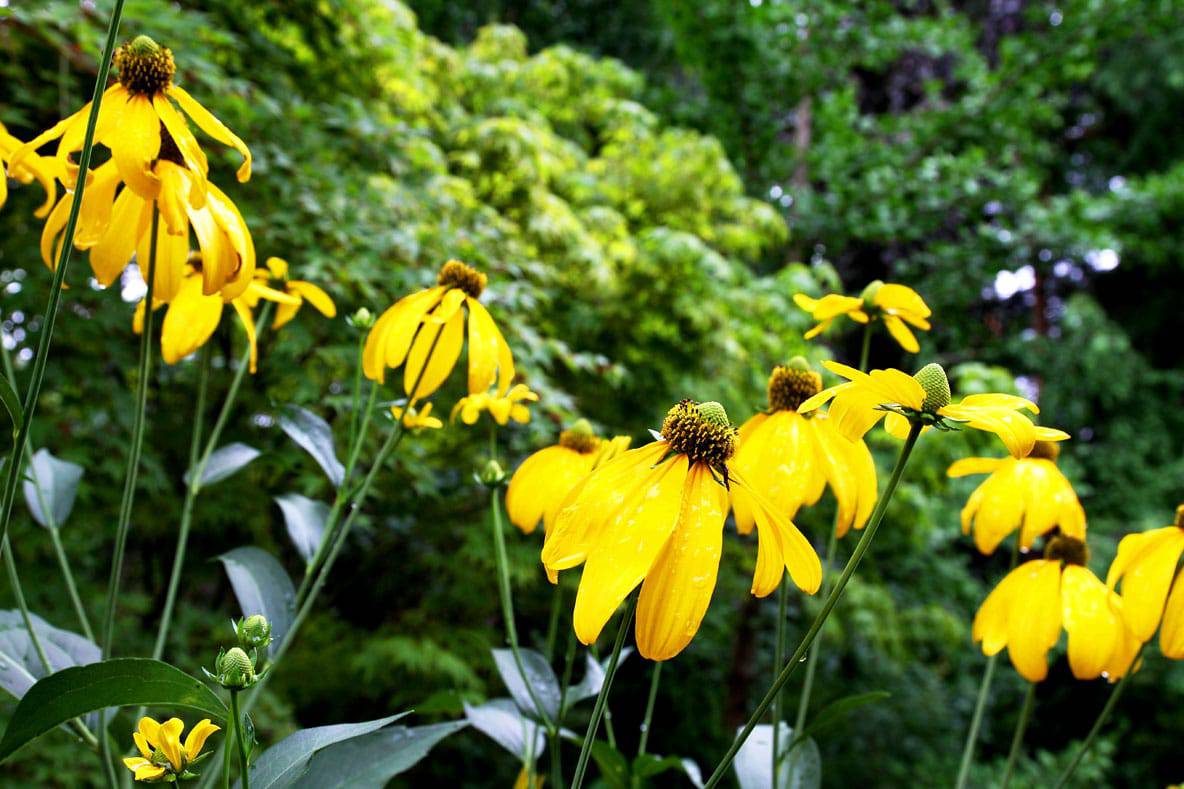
[(895, 305), (1146, 567), (163, 757), (1030, 494), (791, 457), (1027, 610), (654, 516), (404, 334), (866, 398), (502, 406), (138, 121), (301, 290), (32, 167), (414, 419), (542, 482)]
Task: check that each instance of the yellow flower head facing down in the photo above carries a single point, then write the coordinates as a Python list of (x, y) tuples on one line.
[(301, 290), (414, 419), (192, 316), (143, 119), (866, 398), (791, 458), (654, 517), (1030, 494), (1145, 567), (543, 481), (163, 756), (1032, 604), (897, 306), (425, 331), (44, 170), (502, 405)]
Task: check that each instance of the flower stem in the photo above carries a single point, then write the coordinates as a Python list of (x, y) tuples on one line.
[(602, 697), (13, 471), (655, 679), (778, 658), (1017, 739), (227, 750), (812, 657), (980, 704), (866, 348), (553, 623), (244, 777), (832, 599), (1101, 720)]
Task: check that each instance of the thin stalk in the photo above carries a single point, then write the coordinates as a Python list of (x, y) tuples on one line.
[(553, 622), (1017, 739), (569, 661), (655, 679), (357, 399), (861, 548), (1101, 721), (13, 472), (980, 703), (609, 734), (227, 750), (778, 658), (866, 348), (240, 738), (602, 697)]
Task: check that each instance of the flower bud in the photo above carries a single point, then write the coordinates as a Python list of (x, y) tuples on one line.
[(362, 319), (235, 669), (933, 380), (869, 293), (254, 632), (491, 474)]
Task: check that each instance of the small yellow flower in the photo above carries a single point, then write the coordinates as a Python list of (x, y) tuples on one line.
[(856, 407), (43, 169), (1146, 567), (895, 305), (502, 406), (417, 419), (407, 331), (1027, 610), (163, 757), (654, 516), (1030, 494), (544, 479), (529, 779), (791, 458), (301, 290)]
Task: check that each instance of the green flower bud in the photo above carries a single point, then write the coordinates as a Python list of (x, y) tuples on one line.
[(491, 474), (799, 363), (254, 632), (869, 293), (932, 378), (362, 319), (235, 669)]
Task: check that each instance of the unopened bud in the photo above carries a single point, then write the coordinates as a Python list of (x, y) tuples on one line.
[(362, 319), (933, 380), (491, 474), (235, 669), (254, 632)]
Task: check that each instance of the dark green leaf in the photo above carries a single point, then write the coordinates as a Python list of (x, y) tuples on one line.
[(835, 712), (283, 764), (315, 436), (262, 586), (614, 768), (369, 762), (225, 461), (305, 520)]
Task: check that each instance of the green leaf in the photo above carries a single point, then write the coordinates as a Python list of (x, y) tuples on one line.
[(614, 768), (120, 682), (800, 768), (12, 404), (538, 673), (284, 763), (834, 713), (225, 462), (262, 586), (50, 487), (20, 665), (503, 722), (305, 520), (370, 762), (316, 437)]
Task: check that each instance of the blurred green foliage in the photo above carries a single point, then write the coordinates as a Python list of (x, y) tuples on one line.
[(1017, 163)]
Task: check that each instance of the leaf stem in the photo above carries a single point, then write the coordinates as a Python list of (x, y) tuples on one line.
[(861, 548), (602, 697)]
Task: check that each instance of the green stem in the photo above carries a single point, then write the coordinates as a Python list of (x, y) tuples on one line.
[(357, 399), (867, 346), (602, 697), (569, 661), (1097, 727), (240, 738), (13, 472), (655, 678), (227, 751), (980, 703), (787, 671), (553, 622), (812, 657), (778, 658), (1017, 739), (609, 734)]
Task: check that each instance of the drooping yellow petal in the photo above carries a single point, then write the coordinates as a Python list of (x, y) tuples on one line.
[(1094, 624), (1146, 565), (1034, 621), (169, 736), (209, 124), (968, 466), (902, 300), (541, 484), (137, 145), (629, 544), (678, 588), (390, 339), (901, 333), (778, 458), (150, 730), (1171, 632), (850, 471), (488, 352), (129, 223), (142, 745), (780, 546), (172, 255), (178, 129), (444, 342), (197, 738), (190, 321), (315, 296), (248, 323), (1013, 428), (240, 271)]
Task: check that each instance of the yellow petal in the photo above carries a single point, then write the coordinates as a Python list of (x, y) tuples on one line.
[(1145, 565), (390, 338), (248, 323), (540, 485), (150, 730), (967, 466), (141, 745), (901, 299), (1034, 621), (850, 471), (488, 351), (678, 588), (241, 248), (444, 342), (130, 220), (191, 153), (209, 124), (136, 145), (315, 296), (197, 738), (169, 735), (1171, 632), (780, 546), (1094, 625), (778, 458), (190, 321), (901, 333)]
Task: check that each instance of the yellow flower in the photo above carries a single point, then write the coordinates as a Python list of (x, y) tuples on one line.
[(1030, 494), (791, 458), (301, 290), (1027, 610), (417, 420), (1146, 567), (866, 398), (192, 316), (33, 166), (895, 305), (544, 479), (405, 333), (139, 123), (502, 406), (654, 516), (163, 757)]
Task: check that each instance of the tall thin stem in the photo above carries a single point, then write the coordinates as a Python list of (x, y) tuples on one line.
[(866, 347), (778, 657), (861, 548), (553, 620), (240, 738), (1100, 722), (602, 697), (980, 703), (1017, 739), (13, 472), (812, 656), (655, 679)]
